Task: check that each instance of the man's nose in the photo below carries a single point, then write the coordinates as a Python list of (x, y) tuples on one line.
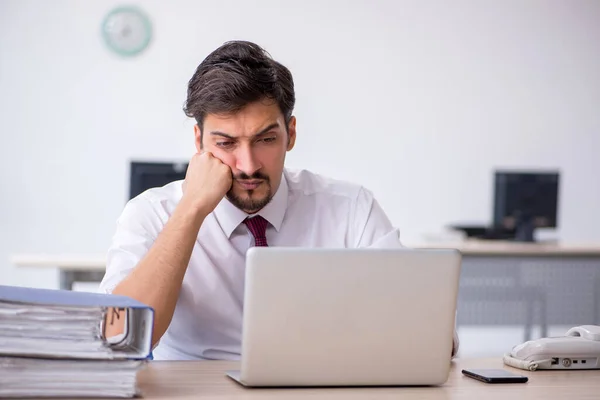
[(247, 161)]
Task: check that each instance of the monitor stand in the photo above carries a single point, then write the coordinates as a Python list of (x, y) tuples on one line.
[(525, 230)]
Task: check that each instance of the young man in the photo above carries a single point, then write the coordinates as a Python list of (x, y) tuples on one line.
[(181, 248)]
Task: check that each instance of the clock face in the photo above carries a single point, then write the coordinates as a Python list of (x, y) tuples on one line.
[(127, 31)]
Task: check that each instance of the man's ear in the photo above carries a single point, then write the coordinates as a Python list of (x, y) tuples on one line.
[(291, 133), (198, 138)]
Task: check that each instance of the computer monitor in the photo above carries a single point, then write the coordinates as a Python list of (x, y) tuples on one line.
[(146, 175), (524, 201)]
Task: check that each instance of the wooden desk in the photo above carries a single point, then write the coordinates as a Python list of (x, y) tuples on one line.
[(205, 380)]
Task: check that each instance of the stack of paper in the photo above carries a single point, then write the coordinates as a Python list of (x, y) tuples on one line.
[(52, 343), (35, 377), (51, 331)]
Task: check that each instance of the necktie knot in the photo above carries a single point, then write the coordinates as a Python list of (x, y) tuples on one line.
[(258, 227)]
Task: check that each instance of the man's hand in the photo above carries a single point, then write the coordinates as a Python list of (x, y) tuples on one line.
[(207, 181)]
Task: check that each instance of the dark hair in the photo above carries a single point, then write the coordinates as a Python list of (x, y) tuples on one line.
[(234, 75)]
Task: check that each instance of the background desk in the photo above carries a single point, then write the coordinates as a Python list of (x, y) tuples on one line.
[(507, 283), (502, 283), (72, 268), (205, 380)]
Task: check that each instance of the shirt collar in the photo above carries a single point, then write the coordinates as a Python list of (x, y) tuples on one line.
[(230, 217)]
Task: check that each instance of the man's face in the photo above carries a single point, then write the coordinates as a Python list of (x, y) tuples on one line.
[(253, 143)]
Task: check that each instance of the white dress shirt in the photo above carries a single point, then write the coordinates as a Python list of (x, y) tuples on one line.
[(306, 211)]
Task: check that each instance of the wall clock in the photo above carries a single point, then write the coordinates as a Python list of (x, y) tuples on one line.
[(127, 31)]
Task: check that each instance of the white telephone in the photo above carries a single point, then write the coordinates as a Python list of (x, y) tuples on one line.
[(579, 349)]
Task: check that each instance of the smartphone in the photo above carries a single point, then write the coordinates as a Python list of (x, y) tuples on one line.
[(494, 376)]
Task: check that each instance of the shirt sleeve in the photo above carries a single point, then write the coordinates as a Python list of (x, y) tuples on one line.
[(371, 224), (376, 231), (137, 228)]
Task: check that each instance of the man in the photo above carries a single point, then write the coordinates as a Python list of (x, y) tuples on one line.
[(181, 248)]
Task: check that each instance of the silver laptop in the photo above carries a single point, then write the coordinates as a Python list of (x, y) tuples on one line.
[(348, 317)]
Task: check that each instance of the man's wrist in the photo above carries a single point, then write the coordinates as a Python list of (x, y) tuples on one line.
[(195, 209)]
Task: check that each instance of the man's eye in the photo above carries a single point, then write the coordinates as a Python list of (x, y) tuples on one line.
[(225, 144), (269, 139)]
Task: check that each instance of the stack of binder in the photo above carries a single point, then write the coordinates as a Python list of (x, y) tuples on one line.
[(52, 343)]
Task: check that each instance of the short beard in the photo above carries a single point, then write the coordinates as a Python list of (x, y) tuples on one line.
[(251, 206)]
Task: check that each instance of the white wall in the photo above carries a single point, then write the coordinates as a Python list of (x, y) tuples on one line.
[(417, 100)]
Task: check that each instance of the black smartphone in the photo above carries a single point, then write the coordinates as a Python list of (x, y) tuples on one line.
[(494, 376)]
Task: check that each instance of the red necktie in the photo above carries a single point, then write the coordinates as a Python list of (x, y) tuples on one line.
[(258, 226)]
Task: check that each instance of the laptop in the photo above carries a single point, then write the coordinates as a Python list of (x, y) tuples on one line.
[(348, 317)]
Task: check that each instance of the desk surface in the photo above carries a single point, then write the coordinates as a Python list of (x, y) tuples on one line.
[(75, 262), (206, 380), (504, 248)]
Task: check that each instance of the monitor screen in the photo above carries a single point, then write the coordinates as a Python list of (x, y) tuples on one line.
[(146, 175), (530, 197)]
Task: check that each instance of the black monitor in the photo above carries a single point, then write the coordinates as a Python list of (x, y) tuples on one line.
[(146, 175), (524, 201)]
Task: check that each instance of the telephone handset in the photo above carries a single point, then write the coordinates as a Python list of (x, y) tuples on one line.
[(578, 349)]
